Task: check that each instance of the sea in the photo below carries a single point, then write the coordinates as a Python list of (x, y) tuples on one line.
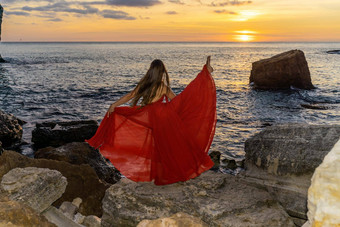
[(78, 81)]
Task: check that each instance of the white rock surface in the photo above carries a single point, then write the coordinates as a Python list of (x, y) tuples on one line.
[(324, 192)]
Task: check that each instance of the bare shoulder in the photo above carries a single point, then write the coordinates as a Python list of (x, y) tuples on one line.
[(168, 91)]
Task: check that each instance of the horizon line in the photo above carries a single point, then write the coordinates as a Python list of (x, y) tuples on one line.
[(169, 42)]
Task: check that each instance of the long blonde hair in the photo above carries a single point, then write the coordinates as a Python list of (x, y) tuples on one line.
[(148, 86)]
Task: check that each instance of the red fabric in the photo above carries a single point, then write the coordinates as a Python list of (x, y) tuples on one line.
[(163, 141)]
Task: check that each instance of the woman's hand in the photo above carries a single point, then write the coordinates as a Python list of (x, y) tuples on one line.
[(210, 69), (111, 109)]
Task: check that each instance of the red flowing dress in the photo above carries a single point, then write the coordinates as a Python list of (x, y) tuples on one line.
[(163, 141)]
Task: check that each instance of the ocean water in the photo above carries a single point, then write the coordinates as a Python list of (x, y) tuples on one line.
[(75, 81)]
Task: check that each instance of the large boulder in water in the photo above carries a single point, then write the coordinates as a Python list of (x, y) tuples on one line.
[(82, 180), (282, 158), (282, 71), (10, 129), (56, 134), (82, 153), (217, 199)]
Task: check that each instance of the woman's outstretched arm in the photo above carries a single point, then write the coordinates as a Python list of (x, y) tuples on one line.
[(121, 101)]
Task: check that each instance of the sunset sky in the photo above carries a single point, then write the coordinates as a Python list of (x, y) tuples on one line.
[(171, 20)]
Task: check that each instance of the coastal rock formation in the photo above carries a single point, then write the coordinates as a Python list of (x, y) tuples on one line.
[(10, 129), (177, 220), (282, 71), (1, 14), (14, 214), (324, 192), (36, 187), (282, 159), (82, 153), (218, 199), (56, 134), (333, 52), (1, 149), (82, 180)]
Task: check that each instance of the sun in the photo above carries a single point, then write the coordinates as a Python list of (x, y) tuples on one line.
[(245, 36)]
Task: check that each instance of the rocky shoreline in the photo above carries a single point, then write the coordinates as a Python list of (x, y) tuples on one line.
[(88, 190)]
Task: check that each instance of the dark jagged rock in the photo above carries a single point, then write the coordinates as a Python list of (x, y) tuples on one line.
[(215, 157), (217, 199), (282, 159), (333, 52), (82, 153), (56, 134), (282, 71), (10, 129), (314, 107), (82, 180)]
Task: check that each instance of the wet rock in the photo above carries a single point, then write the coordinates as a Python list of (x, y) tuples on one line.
[(218, 199), (36, 187), (282, 159), (82, 153), (10, 129), (91, 221), (282, 71), (177, 220), (82, 180), (14, 213), (324, 192), (314, 107), (215, 157), (333, 52), (56, 134)]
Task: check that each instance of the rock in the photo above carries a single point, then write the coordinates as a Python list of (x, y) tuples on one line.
[(79, 218), (177, 220), (82, 180), (10, 129), (1, 149), (82, 153), (282, 71), (91, 221), (77, 201), (333, 52), (324, 192), (215, 157), (282, 159), (55, 216), (56, 134), (314, 107), (14, 213), (218, 199), (36, 187), (68, 209)]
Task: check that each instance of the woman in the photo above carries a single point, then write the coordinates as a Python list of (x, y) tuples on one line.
[(158, 141)]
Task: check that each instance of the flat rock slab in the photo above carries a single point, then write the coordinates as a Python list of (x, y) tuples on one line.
[(217, 199), (281, 72), (291, 148), (57, 133), (36, 187)]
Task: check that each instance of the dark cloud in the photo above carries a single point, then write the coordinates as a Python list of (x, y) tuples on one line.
[(171, 12), (232, 3), (55, 19), (18, 13), (176, 2), (133, 3), (62, 7), (225, 12), (119, 15)]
